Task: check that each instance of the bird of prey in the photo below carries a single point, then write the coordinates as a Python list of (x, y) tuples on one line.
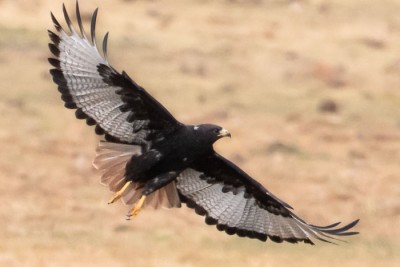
[(148, 158)]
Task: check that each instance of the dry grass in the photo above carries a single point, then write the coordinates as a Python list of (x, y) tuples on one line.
[(259, 68)]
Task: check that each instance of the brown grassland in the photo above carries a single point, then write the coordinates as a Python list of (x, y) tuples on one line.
[(309, 89)]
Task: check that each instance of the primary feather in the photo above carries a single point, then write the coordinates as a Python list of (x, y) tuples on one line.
[(154, 155)]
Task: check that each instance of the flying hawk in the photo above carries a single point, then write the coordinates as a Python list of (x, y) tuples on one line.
[(148, 158)]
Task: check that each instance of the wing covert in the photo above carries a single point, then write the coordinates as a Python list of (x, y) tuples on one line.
[(120, 108)]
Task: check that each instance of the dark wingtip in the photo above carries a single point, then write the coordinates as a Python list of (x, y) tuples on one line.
[(93, 26), (327, 226), (54, 37), (54, 49), (308, 241), (79, 114), (276, 239), (99, 130), (339, 231), (55, 22), (329, 232), (58, 77), (210, 221), (67, 98), (105, 41), (90, 121), (347, 233), (70, 105), (67, 19), (54, 62), (79, 18)]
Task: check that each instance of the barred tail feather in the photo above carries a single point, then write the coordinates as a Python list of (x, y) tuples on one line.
[(167, 197), (111, 159)]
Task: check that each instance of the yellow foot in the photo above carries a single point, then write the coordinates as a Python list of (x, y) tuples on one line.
[(136, 209), (119, 193)]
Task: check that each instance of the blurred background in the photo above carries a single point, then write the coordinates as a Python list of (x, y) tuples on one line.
[(309, 89)]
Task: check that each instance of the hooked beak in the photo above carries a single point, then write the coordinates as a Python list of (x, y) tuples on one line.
[(224, 133)]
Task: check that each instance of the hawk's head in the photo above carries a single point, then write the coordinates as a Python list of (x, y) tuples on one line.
[(209, 133)]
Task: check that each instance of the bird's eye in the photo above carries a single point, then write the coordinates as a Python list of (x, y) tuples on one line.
[(216, 131)]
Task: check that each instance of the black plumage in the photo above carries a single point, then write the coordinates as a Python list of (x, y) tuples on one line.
[(150, 159)]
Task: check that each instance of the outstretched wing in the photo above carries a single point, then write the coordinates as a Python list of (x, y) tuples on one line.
[(237, 204), (120, 108)]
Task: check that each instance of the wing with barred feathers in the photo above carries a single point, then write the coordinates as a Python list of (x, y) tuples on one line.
[(237, 204), (120, 108)]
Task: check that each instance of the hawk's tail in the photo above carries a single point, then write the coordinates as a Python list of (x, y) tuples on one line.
[(111, 159)]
